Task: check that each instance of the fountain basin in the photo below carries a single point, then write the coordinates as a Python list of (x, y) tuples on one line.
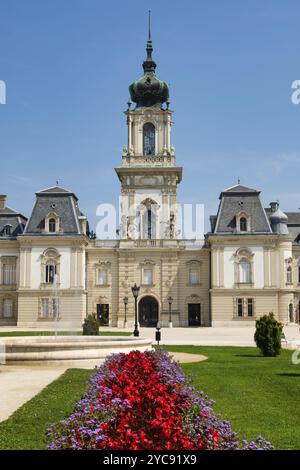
[(69, 348)]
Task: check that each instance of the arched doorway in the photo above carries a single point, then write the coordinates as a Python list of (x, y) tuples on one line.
[(148, 311)]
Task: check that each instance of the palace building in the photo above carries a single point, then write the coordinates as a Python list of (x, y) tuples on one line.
[(52, 268)]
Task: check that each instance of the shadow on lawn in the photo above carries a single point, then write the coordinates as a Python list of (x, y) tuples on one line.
[(289, 374), (249, 355)]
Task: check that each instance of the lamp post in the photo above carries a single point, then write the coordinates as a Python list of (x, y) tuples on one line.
[(170, 300), (135, 292), (125, 300)]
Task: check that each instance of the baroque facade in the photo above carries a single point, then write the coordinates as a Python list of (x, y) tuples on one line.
[(52, 268)]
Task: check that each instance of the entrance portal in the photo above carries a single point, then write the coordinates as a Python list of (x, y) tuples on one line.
[(148, 311), (194, 312)]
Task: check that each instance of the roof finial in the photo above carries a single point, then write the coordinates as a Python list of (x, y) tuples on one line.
[(239, 181), (57, 182), (149, 65), (149, 25)]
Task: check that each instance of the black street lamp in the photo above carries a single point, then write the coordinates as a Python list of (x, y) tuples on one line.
[(170, 300), (125, 300), (135, 291)]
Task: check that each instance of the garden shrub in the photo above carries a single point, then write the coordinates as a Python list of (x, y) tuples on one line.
[(90, 326), (143, 401), (268, 335)]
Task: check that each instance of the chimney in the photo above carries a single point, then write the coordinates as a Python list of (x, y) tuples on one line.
[(274, 206), (2, 201)]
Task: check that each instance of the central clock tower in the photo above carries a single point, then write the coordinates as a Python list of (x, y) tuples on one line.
[(149, 174)]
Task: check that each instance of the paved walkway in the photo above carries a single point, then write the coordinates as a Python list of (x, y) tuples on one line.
[(19, 383), (215, 336)]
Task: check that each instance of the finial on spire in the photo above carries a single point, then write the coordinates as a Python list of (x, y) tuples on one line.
[(149, 64), (149, 25)]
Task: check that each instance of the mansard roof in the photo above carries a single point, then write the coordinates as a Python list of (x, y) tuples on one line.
[(238, 188), (234, 201), (15, 219), (59, 201), (56, 190)]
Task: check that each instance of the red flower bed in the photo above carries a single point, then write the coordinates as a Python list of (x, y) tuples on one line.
[(144, 401), (153, 418)]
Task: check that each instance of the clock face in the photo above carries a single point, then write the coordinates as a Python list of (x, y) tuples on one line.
[(149, 139)]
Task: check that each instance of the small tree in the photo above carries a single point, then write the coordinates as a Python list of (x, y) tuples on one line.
[(268, 335), (90, 326)]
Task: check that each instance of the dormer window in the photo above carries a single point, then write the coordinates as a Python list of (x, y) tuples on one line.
[(7, 230), (243, 224), (52, 225)]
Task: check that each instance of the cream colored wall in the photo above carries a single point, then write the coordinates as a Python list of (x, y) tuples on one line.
[(258, 265), (170, 271), (64, 261), (72, 309), (7, 249), (222, 305)]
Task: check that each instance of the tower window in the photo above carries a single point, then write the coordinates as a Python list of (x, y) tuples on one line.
[(243, 224), (52, 225), (149, 139), (149, 220)]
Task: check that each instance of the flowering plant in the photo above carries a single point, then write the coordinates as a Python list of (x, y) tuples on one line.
[(141, 401)]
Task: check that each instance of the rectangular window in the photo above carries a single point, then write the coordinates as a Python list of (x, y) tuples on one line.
[(148, 277), (102, 278), (9, 274), (55, 309), (194, 276), (240, 310), (50, 273), (45, 308), (8, 308), (250, 307)]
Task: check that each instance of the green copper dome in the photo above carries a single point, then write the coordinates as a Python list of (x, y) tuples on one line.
[(149, 90)]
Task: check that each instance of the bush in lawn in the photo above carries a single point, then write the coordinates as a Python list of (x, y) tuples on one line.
[(268, 335), (143, 401), (90, 326)]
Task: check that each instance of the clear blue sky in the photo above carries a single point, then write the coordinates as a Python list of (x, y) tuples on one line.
[(67, 65)]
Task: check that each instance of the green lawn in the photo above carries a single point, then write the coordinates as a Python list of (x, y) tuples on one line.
[(25, 429), (260, 396), (61, 333)]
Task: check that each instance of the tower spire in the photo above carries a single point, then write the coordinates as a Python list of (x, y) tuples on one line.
[(149, 25), (149, 65)]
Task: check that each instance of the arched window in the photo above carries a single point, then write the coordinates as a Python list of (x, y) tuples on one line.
[(148, 219), (52, 225), (149, 139), (289, 275), (243, 224), (50, 272), (245, 271)]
